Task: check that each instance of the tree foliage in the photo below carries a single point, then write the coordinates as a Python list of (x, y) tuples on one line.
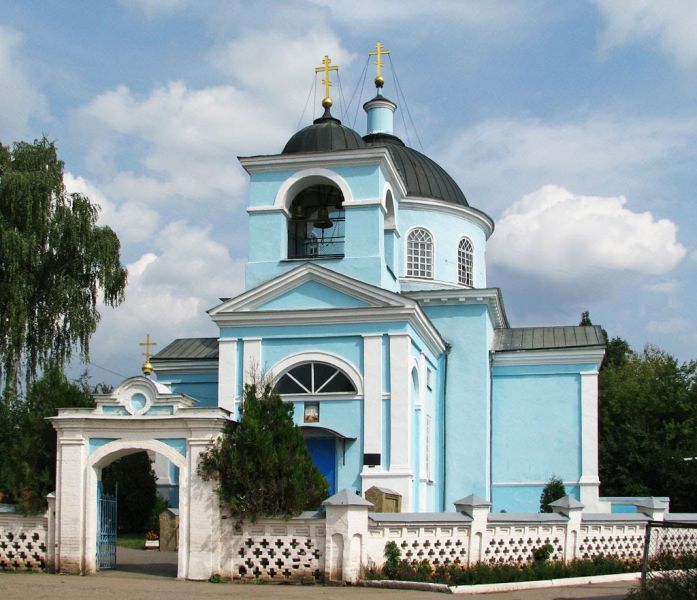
[(137, 491), (261, 464), (553, 490), (55, 262), (28, 463), (648, 425)]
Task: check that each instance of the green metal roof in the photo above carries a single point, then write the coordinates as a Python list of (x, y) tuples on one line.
[(189, 349), (547, 338)]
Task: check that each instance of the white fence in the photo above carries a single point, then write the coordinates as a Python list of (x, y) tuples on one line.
[(338, 543)]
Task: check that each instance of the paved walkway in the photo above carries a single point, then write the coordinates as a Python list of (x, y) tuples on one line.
[(149, 575)]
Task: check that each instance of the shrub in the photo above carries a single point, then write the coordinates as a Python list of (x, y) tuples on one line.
[(553, 490), (261, 465), (456, 574), (668, 586)]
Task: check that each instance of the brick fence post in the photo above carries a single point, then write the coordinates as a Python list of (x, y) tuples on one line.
[(346, 529)]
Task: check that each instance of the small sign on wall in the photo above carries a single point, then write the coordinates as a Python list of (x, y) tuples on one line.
[(311, 413)]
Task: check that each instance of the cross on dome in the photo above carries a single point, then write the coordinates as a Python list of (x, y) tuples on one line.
[(378, 54), (326, 68)]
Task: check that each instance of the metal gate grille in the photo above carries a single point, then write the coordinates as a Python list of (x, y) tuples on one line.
[(670, 549), (106, 528)]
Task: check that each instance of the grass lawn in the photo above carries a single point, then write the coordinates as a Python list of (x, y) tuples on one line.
[(135, 541)]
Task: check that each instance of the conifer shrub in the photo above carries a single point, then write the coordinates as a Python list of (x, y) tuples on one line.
[(553, 490), (261, 464)]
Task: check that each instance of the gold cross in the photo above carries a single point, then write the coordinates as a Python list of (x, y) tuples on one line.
[(378, 54), (147, 343), (326, 62)]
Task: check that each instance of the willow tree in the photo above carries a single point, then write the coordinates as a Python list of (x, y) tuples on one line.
[(55, 264)]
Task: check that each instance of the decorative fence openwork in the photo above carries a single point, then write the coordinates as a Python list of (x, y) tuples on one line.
[(23, 542), (339, 542)]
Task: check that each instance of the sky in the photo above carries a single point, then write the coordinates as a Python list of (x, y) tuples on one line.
[(572, 124)]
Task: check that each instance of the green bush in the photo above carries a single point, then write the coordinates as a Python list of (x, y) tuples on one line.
[(479, 573), (553, 490), (679, 585)]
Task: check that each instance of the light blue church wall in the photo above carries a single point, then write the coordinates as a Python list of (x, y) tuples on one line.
[(312, 295), (447, 230), (346, 417), (203, 387), (466, 407), (364, 227), (536, 429), (349, 348), (264, 185)]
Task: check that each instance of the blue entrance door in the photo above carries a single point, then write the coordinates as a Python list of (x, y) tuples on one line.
[(323, 453)]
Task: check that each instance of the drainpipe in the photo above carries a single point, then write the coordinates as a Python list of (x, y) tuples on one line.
[(445, 420)]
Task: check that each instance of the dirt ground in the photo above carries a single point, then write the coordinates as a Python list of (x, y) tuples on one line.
[(150, 576)]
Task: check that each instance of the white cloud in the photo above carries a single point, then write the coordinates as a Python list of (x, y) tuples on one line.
[(665, 287), (169, 290), (132, 221), (669, 326), (671, 23), (392, 13), (288, 64), (575, 240), (20, 100), (501, 159), (153, 8), (191, 138)]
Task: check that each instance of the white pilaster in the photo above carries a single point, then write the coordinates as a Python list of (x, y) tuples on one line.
[(203, 517), (400, 419), (589, 482), (251, 359), (70, 506), (372, 394), (227, 374)]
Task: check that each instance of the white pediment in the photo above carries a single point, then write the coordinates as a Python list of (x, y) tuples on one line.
[(141, 397), (311, 287)]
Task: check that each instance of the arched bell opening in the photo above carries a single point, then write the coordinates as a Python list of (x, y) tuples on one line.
[(316, 227)]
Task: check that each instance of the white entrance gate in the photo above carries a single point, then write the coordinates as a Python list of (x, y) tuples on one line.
[(139, 415)]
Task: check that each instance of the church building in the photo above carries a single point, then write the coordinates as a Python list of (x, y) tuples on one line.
[(367, 305)]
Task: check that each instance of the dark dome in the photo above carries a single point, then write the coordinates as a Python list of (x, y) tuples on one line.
[(324, 135), (422, 176)]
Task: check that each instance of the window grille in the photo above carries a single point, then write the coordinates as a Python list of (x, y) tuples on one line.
[(420, 254), (465, 262), (314, 378)]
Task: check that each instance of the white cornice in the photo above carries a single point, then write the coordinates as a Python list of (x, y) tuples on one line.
[(339, 158), (557, 356), (413, 315), (490, 296), (305, 272), (464, 212)]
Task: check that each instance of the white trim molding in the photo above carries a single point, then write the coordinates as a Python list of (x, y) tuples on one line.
[(337, 158), (557, 356), (477, 217)]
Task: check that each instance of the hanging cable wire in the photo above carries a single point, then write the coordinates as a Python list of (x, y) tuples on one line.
[(93, 364), (309, 95), (343, 109), (406, 105), (360, 94)]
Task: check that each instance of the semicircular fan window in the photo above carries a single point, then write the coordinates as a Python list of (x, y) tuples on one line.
[(314, 378)]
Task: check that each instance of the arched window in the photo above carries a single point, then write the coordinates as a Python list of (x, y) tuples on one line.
[(316, 224), (314, 378), (465, 263), (420, 254)]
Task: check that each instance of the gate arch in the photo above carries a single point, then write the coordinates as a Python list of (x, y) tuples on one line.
[(89, 440)]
